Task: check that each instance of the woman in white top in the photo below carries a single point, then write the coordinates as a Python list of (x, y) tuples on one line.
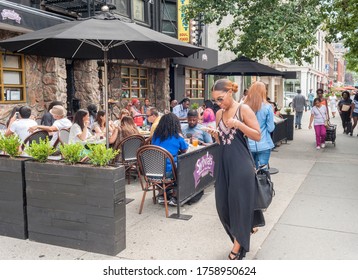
[(333, 104), (79, 131), (319, 115), (99, 127)]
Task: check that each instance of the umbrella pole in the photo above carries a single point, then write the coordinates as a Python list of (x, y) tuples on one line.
[(105, 94)]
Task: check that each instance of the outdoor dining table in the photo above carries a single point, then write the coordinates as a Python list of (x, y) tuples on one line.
[(195, 172)]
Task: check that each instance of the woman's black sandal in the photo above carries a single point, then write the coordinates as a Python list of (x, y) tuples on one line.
[(236, 255)]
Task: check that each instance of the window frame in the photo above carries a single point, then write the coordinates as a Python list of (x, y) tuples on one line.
[(194, 86), (130, 11), (131, 78), (21, 85)]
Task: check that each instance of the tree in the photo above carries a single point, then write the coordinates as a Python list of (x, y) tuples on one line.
[(341, 23), (274, 29)]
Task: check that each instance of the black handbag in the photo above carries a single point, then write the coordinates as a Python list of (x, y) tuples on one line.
[(264, 189)]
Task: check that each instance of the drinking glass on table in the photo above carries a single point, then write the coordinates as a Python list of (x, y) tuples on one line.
[(195, 142)]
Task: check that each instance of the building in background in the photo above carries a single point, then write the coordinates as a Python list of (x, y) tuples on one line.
[(36, 81)]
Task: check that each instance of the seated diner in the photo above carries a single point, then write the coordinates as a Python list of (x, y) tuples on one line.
[(168, 135)]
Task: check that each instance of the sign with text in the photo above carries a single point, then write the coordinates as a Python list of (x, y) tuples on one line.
[(183, 26)]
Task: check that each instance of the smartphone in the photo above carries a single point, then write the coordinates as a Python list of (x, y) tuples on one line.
[(208, 129)]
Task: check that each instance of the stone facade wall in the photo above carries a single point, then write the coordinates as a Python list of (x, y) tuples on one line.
[(45, 82), (86, 82)]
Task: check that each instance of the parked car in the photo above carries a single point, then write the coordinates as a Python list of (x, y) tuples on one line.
[(288, 97)]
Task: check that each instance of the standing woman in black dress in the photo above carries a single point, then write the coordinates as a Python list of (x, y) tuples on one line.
[(235, 173)]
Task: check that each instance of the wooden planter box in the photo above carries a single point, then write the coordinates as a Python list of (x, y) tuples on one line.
[(79, 206), (13, 222)]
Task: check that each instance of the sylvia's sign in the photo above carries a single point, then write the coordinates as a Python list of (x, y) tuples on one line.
[(204, 165), (10, 14)]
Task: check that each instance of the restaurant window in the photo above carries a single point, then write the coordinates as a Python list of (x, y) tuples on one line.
[(194, 83), (137, 10), (169, 18), (12, 78), (134, 82)]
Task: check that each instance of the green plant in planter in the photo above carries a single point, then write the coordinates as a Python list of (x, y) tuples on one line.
[(99, 155), (288, 110), (194, 106), (72, 153), (10, 145), (40, 151)]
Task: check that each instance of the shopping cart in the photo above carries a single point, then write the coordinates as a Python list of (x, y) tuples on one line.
[(331, 134)]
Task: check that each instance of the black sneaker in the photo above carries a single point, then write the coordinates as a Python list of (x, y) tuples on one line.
[(173, 201)]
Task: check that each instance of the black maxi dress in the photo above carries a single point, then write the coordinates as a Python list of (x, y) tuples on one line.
[(235, 186)]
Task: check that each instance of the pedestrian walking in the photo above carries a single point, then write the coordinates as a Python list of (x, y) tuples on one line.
[(333, 104), (235, 182), (322, 99), (319, 116), (310, 97), (345, 111), (256, 100), (299, 105), (355, 111)]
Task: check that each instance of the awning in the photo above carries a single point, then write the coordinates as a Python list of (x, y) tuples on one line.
[(20, 18)]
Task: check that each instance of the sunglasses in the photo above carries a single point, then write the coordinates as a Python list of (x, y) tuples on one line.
[(219, 99)]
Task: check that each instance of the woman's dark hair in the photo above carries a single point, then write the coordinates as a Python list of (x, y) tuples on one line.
[(92, 110), (14, 110), (209, 104), (54, 103), (78, 118), (186, 99), (98, 117), (345, 93), (168, 126), (318, 91), (315, 100)]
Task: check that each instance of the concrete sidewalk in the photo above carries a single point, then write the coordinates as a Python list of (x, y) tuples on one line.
[(313, 215)]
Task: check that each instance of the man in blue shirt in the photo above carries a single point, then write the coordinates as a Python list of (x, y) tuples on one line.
[(310, 98), (195, 130), (181, 110)]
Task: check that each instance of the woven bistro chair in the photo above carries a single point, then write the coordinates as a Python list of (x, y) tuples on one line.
[(152, 161), (128, 153), (64, 136), (36, 136)]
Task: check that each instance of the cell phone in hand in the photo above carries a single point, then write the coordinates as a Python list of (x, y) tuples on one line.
[(209, 129)]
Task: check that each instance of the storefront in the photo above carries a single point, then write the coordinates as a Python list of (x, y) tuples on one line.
[(187, 78)]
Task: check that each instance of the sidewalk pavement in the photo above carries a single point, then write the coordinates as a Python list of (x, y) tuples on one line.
[(312, 216)]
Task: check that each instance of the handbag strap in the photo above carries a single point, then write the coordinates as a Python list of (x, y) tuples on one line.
[(321, 114)]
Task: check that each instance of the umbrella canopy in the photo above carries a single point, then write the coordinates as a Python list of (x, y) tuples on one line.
[(349, 88), (243, 66), (89, 38), (104, 36)]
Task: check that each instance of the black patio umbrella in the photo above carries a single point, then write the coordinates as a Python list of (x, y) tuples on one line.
[(104, 36), (243, 66)]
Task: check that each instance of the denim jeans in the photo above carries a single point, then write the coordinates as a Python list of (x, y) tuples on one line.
[(262, 157), (298, 118)]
